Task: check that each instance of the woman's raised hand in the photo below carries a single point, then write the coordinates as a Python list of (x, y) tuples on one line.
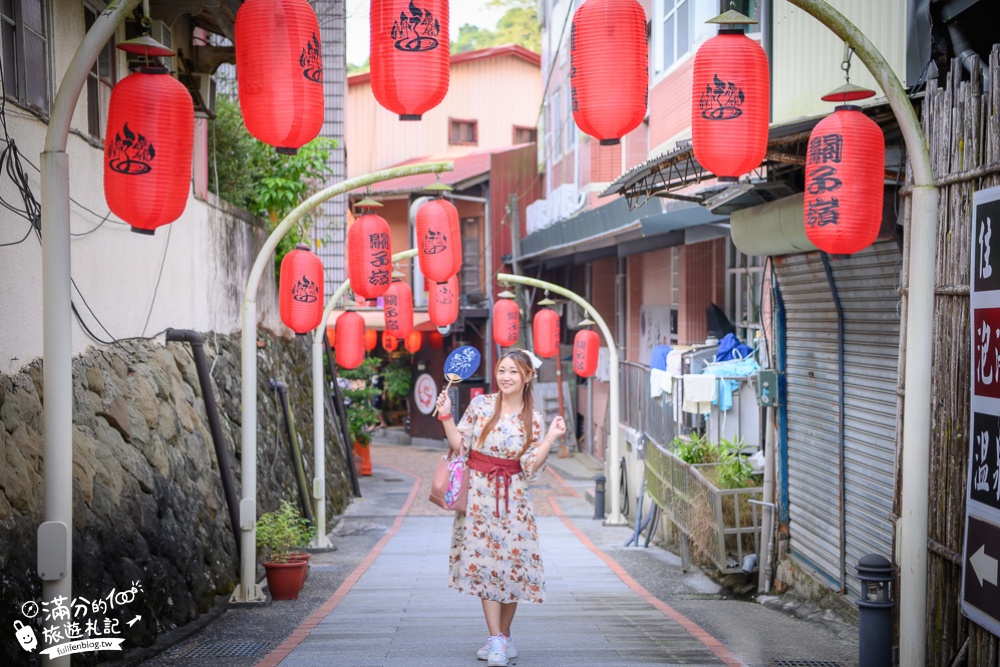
[(557, 429), (443, 403)]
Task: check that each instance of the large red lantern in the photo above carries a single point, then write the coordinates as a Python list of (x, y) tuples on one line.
[(350, 340), (730, 101), (371, 339), (389, 342), (442, 305), (845, 176), (414, 340), (300, 290), (279, 72), (147, 150), (455, 229), (545, 332), (586, 348), (398, 309), (437, 340), (435, 240), (369, 256), (506, 321), (410, 55), (610, 68)]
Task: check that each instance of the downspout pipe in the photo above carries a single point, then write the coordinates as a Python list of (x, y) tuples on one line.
[(197, 343), (919, 300), (781, 440), (293, 445), (55, 531), (841, 454)]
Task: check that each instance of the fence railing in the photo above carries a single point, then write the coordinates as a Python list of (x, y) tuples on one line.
[(653, 417)]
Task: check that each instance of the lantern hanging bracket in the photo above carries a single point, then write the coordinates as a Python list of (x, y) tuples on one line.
[(846, 64)]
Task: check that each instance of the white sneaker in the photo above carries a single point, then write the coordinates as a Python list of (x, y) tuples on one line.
[(484, 652), (497, 656)]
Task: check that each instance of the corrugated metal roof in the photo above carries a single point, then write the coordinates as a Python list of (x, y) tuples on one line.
[(514, 50), (468, 169)]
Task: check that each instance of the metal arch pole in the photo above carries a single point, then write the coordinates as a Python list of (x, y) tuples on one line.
[(55, 532), (614, 440), (319, 433), (248, 590), (912, 545)]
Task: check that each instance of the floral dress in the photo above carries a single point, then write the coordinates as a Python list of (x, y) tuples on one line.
[(494, 555)]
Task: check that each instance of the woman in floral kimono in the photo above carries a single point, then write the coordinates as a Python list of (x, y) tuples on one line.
[(494, 551)]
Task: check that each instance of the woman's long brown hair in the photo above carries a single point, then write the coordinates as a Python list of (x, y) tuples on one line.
[(524, 367)]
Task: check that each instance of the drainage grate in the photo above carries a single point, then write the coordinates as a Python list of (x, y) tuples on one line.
[(392, 479), (806, 663), (225, 650), (699, 596)]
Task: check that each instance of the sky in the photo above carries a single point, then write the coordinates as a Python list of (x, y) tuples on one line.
[(461, 12)]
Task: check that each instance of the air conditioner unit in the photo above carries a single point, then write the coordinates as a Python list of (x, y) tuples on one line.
[(203, 94)]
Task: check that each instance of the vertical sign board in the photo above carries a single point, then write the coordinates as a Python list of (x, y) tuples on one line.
[(981, 553)]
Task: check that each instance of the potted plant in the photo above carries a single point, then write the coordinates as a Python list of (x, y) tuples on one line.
[(398, 384), (305, 532), (277, 534), (362, 416)]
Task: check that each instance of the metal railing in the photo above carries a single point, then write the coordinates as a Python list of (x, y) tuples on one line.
[(653, 417)]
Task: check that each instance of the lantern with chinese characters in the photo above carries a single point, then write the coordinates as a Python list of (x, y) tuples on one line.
[(389, 342), (437, 341), (730, 103), (410, 55), (506, 320), (845, 177), (545, 331), (279, 72), (369, 253), (435, 240), (397, 306), (610, 68), (147, 150), (349, 346), (300, 290), (586, 348), (371, 339), (442, 306), (414, 340)]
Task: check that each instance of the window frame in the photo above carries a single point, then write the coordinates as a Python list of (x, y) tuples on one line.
[(457, 122), (16, 27), (96, 82), (533, 131)]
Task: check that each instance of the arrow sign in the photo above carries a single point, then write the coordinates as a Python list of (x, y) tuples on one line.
[(136, 619), (984, 566)]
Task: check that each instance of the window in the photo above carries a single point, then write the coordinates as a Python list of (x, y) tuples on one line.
[(569, 128), (744, 278), (25, 53), (679, 25), (525, 135), (100, 80), (556, 117), (462, 131)]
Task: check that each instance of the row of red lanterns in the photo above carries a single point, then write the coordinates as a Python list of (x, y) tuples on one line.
[(546, 334)]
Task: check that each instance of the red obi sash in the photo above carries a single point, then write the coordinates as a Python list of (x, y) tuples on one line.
[(496, 469)]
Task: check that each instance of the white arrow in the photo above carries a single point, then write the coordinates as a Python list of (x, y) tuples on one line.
[(133, 621), (984, 566)]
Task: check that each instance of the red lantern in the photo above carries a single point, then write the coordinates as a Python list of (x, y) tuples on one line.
[(442, 306), (369, 256), (845, 176), (506, 322), (434, 240), (300, 290), (586, 347), (331, 335), (545, 331), (279, 72), (398, 309), (410, 55), (730, 104), (389, 342), (350, 345), (455, 229), (437, 340), (414, 340), (147, 152), (610, 68), (371, 339)]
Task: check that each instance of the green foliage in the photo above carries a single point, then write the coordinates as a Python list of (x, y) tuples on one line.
[(735, 471), (398, 379), (279, 532), (518, 25), (694, 448), (360, 413)]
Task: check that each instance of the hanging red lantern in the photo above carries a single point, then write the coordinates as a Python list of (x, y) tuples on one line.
[(371, 339), (147, 152), (455, 229), (442, 305), (389, 342), (300, 290), (845, 176), (545, 332), (506, 321), (279, 72), (434, 240), (410, 55), (369, 256), (413, 342), (397, 306), (331, 335), (437, 340), (609, 61), (350, 345), (586, 347), (730, 101)]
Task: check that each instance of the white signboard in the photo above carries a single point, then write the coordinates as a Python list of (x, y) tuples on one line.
[(425, 393)]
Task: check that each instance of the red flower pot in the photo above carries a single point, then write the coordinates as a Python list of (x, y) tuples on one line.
[(364, 452), (301, 557), (284, 580)]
